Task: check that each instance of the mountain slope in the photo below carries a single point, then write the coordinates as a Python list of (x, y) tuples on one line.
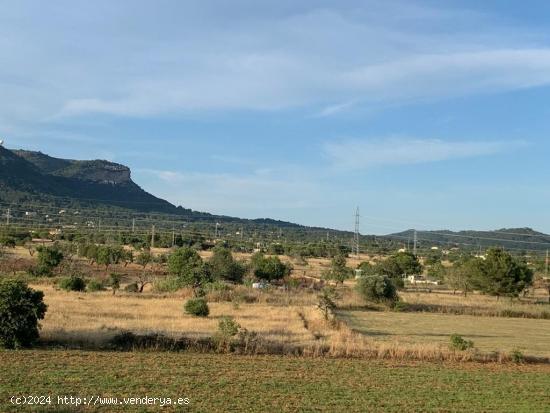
[(513, 238), (34, 177), (28, 175)]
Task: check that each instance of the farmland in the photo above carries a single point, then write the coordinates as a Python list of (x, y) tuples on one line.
[(270, 383), (488, 333)]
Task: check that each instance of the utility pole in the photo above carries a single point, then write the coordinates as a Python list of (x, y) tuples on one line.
[(173, 237), (356, 235), (217, 225), (8, 214), (152, 236), (546, 269), (99, 226), (242, 233), (133, 225), (415, 242)]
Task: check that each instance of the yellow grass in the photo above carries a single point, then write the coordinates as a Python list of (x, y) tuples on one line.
[(483, 303), (531, 336), (97, 317), (92, 319)]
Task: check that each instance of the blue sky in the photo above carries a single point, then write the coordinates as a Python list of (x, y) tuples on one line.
[(426, 114)]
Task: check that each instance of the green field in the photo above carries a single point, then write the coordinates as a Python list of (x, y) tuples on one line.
[(216, 383), (531, 336)]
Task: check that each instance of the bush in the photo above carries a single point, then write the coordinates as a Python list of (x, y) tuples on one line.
[(379, 289), (269, 268), (114, 281), (74, 283), (400, 306), (517, 356), (20, 309), (132, 288), (227, 329), (197, 307), (167, 285), (459, 343), (95, 285)]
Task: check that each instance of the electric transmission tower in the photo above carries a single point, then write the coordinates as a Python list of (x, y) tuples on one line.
[(415, 242), (356, 235)]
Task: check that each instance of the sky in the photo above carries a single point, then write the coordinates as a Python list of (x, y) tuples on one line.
[(424, 114)]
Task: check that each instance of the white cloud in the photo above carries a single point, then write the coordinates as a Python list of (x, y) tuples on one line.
[(361, 154), (138, 59)]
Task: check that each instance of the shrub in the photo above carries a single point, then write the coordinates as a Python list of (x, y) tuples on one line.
[(114, 281), (379, 289), (74, 283), (227, 329), (95, 285), (327, 301), (269, 268), (197, 307), (132, 288), (167, 285), (48, 259), (517, 356), (459, 343), (20, 309), (223, 266), (400, 306)]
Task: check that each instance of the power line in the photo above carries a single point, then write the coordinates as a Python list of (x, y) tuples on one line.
[(356, 235)]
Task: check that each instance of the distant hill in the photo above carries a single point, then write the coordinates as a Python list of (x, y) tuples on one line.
[(26, 175), (34, 177), (513, 238)]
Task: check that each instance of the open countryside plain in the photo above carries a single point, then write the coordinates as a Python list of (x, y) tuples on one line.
[(271, 383)]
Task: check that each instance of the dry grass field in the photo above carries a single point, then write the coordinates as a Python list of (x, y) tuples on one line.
[(477, 304), (91, 320), (97, 317), (530, 336)]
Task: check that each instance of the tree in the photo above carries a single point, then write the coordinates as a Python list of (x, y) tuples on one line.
[(503, 275), (437, 271), (144, 278), (20, 309), (224, 267), (268, 268), (367, 268), (107, 255), (48, 259), (399, 266), (326, 301), (433, 257), (461, 275), (114, 282), (187, 265), (408, 263), (144, 259), (378, 289), (338, 271)]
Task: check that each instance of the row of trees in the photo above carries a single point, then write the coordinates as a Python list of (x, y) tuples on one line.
[(498, 274), (190, 270)]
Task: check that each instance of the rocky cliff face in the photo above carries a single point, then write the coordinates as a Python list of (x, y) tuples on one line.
[(98, 171)]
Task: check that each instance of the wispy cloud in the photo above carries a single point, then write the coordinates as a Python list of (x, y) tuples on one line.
[(252, 57), (361, 154)]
